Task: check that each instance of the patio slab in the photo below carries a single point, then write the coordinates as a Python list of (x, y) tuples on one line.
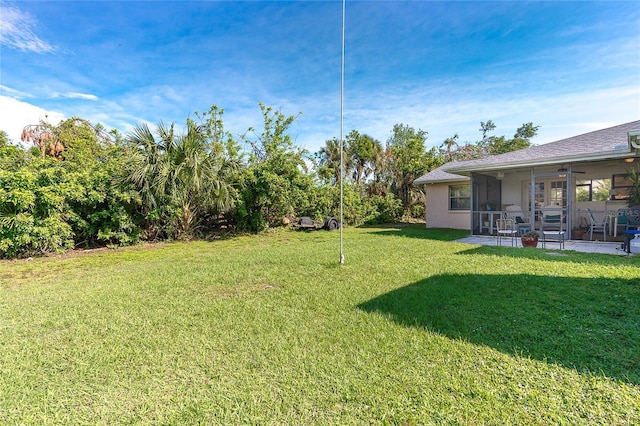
[(577, 245)]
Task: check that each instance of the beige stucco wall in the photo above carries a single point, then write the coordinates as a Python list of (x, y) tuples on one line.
[(437, 205)]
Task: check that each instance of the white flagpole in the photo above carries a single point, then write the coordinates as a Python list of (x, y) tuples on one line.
[(341, 137)]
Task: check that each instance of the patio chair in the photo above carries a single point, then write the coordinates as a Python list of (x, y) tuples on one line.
[(551, 218), (552, 226), (506, 229), (598, 224), (520, 218)]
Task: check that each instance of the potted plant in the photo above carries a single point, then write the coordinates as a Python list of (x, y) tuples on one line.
[(577, 233), (529, 239)]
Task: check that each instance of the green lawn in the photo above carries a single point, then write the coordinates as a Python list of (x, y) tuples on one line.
[(269, 329)]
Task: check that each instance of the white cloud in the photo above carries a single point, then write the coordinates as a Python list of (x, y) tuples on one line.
[(18, 31), (15, 93), (75, 95), (17, 114)]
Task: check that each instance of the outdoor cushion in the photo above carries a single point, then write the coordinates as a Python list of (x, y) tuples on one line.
[(519, 219), (552, 218)]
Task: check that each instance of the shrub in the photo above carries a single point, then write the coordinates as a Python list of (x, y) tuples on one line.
[(32, 218)]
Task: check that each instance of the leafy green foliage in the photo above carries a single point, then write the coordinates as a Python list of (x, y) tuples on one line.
[(49, 205), (32, 211), (275, 183), (105, 212), (12, 158), (495, 145), (181, 178), (363, 151), (328, 161), (110, 189), (83, 142), (4, 139), (634, 189), (408, 160), (489, 145), (270, 191)]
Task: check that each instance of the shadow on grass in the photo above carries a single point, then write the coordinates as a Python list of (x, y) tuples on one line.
[(591, 325), (419, 231)]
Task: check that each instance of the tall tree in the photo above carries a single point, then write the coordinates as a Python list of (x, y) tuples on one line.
[(363, 151), (485, 128), (74, 139), (329, 161), (408, 159), (379, 185), (275, 184), (495, 145), (449, 144), (42, 136), (83, 142)]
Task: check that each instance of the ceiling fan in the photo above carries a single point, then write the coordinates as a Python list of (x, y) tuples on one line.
[(562, 169)]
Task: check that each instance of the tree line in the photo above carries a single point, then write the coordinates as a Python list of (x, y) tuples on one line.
[(82, 186)]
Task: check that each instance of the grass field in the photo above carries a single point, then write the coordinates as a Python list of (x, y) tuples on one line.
[(270, 329)]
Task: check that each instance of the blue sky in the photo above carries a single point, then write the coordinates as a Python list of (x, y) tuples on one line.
[(443, 67)]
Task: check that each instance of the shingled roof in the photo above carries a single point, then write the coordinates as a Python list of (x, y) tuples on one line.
[(441, 175), (610, 143)]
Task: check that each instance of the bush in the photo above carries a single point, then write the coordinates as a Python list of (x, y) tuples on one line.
[(384, 209), (32, 218), (357, 209), (417, 210), (51, 206), (270, 191)]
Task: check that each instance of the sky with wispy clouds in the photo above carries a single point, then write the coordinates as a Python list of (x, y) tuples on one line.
[(443, 67)]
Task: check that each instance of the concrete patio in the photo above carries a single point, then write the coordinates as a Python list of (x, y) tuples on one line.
[(577, 245)]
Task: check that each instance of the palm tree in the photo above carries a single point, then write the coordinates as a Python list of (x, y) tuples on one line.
[(379, 185), (448, 145), (329, 159), (364, 150), (179, 173)]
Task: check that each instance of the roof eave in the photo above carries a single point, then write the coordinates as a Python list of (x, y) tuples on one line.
[(460, 179), (611, 155)]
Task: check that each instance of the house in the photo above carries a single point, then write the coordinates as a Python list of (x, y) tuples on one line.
[(587, 171)]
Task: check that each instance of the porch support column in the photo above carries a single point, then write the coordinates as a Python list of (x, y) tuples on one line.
[(472, 201), (569, 206), (532, 200)]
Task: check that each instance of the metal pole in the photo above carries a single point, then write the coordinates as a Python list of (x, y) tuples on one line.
[(341, 136)]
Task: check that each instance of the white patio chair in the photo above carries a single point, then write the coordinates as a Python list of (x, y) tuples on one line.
[(506, 229), (553, 226)]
